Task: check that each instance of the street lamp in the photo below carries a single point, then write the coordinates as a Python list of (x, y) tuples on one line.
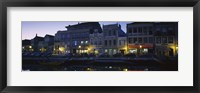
[(79, 46), (30, 46), (140, 46), (140, 49)]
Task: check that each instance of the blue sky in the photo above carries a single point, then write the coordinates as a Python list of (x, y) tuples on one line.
[(41, 28)]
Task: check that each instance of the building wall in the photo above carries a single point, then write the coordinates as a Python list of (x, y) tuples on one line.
[(140, 37), (157, 38), (34, 43), (96, 42), (122, 45), (111, 38), (60, 43), (80, 36), (166, 39)]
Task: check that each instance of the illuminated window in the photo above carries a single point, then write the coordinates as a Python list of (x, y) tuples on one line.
[(145, 50), (133, 51), (81, 42), (75, 42), (106, 50)]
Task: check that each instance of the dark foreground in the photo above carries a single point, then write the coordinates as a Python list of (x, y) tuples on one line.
[(97, 64)]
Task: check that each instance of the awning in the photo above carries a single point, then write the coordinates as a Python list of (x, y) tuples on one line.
[(142, 46)]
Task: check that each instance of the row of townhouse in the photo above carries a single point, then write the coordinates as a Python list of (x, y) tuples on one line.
[(160, 38), (89, 37), (38, 43)]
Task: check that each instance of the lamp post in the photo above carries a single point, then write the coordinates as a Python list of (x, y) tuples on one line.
[(140, 49), (79, 49)]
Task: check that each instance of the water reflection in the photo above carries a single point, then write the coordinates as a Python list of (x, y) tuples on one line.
[(38, 67)]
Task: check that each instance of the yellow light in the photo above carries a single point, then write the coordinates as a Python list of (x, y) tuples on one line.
[(30, 46), (140, 46), (89, 69), (79, 46), (125, 69), (61, 49)]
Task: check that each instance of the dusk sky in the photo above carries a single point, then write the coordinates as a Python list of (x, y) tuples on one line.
[(41, 28)]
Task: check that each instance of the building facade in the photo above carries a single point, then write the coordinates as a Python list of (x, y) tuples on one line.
[(159, 38), (35, 43), (79, 39), (96, 42), (47, 44), (166, 38), (26, 46), (112, 35), (140, 36), (60, 43)]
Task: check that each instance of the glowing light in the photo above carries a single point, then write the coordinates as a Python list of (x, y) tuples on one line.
[(62, 49), (89, 69), (79, 46), (125, 69), (140, 46), (106, 50), (30, 46)]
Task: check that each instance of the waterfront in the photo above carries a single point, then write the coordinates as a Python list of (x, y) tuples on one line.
[(101, 46), (97, 64)]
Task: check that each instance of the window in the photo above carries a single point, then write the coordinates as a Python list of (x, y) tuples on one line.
[(135, 40), (129, 40), (150, 30), (129, 30), (109, 34), (86, 42), (81, 42), (135, 30), (140, 30), (151, 40), (145, 40), (110, 42), (105, 33), (99, 42), (120, 42), (114, 42), (157, 29), (158, 40), (164, 40), (139, 40), (106, 42), (164, 30), (170, 39), (145, 30), (95, 42), (114, 32), (75, 43), (170, 28)]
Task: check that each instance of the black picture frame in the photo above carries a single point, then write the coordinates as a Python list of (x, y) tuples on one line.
[(100, 3)]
